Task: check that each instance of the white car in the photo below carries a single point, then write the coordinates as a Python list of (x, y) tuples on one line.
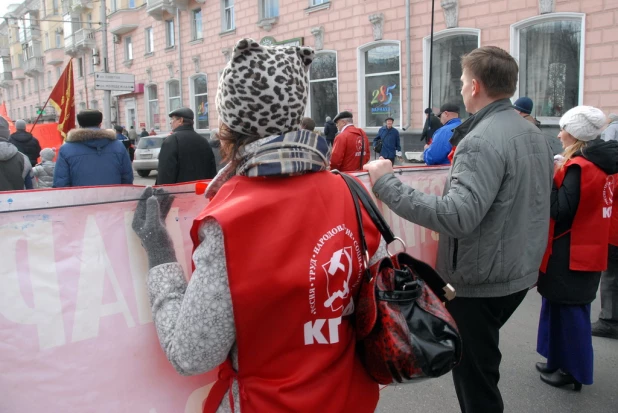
[(146, 157)]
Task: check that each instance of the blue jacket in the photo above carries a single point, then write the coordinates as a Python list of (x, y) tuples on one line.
[(390, 142), (92, 157), (437, 153)]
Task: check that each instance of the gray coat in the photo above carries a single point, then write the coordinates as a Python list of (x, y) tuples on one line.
[(493, 217), (44, 172), (611, 132)]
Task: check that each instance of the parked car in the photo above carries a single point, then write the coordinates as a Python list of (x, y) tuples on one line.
[(146, 156)]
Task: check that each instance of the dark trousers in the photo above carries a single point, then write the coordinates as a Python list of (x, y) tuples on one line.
[(476, 377), (609, 287)]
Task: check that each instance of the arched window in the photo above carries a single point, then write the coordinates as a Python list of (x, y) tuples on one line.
[(173, 95), (551, 61), (152, 107), (199, 100), (448, 48), (380, 83), (323, 94)]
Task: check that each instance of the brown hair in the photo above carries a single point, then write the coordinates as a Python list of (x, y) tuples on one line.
[(494, 68), (231, 142)]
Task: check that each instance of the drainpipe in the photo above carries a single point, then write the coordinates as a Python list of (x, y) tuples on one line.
[(179, 44), (408, 69)]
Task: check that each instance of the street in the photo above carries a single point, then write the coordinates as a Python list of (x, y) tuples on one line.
[(149, 180)]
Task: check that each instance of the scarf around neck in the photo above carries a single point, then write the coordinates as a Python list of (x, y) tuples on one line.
[(292, 153)]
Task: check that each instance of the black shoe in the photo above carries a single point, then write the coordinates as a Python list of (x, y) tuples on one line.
[(602, 328), (542, 367), (559, 379)]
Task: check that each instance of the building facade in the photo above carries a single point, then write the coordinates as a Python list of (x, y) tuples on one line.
[(371, 59)]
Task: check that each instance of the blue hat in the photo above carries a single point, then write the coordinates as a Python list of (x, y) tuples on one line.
[(523, 104)]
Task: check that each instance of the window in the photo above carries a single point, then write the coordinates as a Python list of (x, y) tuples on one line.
[(58, 40), (380, 88), (149, 35), (323, 100), (550, 53), (173, 95), (131, 4), (91, 60), (80, 67), (228, 15), (57, 72), (153, 107), (94, 104), (55, 6), (196, 24), (46, 40), (269, 9), (82, 106), (128, 49), (89, 20), (18, 113), (29, 86), (317, 2), (448, 48), (169, 33), (49, 79), (199, 100)]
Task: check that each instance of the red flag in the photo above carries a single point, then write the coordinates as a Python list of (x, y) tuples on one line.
[(63, 99)]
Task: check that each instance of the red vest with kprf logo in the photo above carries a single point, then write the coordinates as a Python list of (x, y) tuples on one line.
[(590, 229), (613, 228), (294, 265)]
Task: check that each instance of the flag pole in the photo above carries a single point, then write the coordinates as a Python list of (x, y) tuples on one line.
[(433, 3), (40, 114)]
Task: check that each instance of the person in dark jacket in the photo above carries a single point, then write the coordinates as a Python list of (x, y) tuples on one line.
[(144, 133), (523, 106), (330, 131), (389, 137), (432, 124), (185, 155), (15, 168), (25, 142), (92, 156), (577, 248)]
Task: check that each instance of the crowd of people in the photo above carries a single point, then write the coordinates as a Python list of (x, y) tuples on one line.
[(513, 215)]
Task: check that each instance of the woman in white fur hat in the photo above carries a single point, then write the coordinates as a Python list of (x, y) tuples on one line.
[(581, 207)]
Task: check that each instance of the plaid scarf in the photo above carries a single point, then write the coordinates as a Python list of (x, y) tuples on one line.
[(293, 153)]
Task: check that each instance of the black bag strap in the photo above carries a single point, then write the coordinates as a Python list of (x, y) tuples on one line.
[(443, 290)]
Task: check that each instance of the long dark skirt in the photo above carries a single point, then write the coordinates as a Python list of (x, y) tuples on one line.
[(565, 339)]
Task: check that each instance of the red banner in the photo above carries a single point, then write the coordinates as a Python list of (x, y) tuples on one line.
[(76, 332), (62, 98)]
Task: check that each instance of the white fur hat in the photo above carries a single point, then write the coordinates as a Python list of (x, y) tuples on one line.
[(583, 122)]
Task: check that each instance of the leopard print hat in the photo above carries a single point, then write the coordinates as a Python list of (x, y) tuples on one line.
[(263, 90)]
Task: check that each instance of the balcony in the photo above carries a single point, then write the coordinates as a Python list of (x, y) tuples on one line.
[(18, 73), (123, 21), (54, 56), (33, 66), (81, 6), (159, 9), (79, 42)]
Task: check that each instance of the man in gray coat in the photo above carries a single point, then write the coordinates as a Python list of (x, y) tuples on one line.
[(493, 218)]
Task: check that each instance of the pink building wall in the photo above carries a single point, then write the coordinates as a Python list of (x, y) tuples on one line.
[(346, 28)]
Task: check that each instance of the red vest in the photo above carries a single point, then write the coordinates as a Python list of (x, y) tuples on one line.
[(613, 228), (590, 229), (294, 264)]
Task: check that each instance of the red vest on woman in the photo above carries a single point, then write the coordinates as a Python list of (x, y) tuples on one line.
[(613, 228), (294, 265), (590, 229)]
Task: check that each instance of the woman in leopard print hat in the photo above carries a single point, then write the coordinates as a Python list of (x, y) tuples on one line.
[(277, 262)]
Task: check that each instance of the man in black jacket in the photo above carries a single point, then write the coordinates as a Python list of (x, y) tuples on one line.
[(25, 142), (432, 124), (185, 155), (330, 130)]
